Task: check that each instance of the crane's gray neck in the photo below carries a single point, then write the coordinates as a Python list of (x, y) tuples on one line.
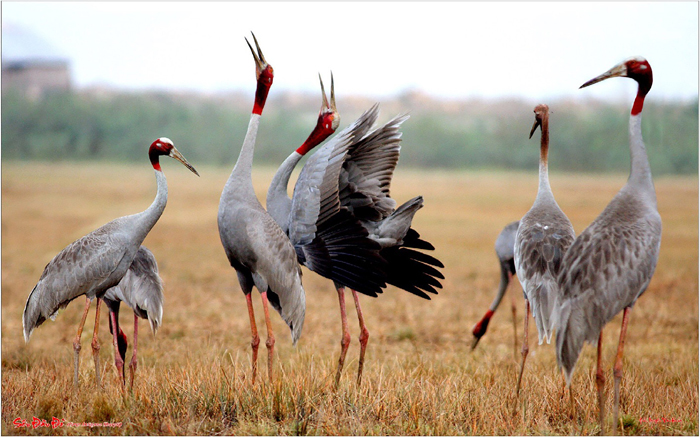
[(150, 216), (544, 191), (279, 205), (640, 171), (502, 286), (242, 173)]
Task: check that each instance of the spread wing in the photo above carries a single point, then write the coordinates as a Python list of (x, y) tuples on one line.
[(327, 238), (366, 176)]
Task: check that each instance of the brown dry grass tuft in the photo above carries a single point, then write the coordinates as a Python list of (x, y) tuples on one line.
[(419, 378)]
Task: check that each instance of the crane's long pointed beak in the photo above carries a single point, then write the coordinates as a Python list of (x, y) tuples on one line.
[(475, 341), (324, 103), (617, 71), (260, 62), (175, 154), (333, 94), (538, 123)]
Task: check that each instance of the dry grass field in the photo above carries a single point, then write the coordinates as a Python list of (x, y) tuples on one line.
[(420, 377)]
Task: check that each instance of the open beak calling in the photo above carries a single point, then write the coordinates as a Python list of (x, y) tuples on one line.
[(260, 62)]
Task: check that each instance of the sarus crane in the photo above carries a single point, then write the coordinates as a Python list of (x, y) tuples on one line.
[(504, 251), (97, 262), (364, 178), (611, 263), (255, 245), (328, 239), (544, 235), (141, 289)]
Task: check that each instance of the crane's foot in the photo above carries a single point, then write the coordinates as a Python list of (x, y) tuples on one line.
[(364, 338)]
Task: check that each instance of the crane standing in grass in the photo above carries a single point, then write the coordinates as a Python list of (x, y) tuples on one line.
[(364, 176), (504, 251), (141, 289), (611, 263), (98, 261), (544, 235), (256, 247), (328, 239)]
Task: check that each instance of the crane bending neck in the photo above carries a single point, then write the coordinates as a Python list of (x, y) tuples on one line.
[(280, 182), (151, 215)]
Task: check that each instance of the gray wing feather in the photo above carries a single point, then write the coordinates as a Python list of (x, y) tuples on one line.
[(542, 238), (316, 191), (506, 241), (609, 266), (366, 175), (276, 270), (87, 266), (141, 289)]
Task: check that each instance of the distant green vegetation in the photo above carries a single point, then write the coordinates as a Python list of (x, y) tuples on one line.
[(474, 135)]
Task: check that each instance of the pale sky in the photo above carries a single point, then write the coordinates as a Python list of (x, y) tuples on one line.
[(448, 50)]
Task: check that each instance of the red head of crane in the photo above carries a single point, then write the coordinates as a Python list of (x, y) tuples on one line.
[(98, 261), (611, 263)]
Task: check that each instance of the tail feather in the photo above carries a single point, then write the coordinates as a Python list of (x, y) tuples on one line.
[(542, 300), (568, 344), (39, 306), (411, 270)]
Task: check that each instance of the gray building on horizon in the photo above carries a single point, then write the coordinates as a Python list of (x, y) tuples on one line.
[(32, 65)]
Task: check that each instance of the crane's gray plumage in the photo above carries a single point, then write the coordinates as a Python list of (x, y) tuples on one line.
[(505, 243), (254, 243), (504, 247), (609, 266), (543, 236), (364, 189), (141, 289), (611, 263), (98, 261), (326, 236)]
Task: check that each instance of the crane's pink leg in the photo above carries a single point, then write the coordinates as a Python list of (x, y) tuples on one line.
[(525, 349), (617, 369), (364, 336), (255, 341), (132, 364), (600, 383), (76, 342), (345, 339), (514, 310), (96, 342), (118, 361), (270, 342)]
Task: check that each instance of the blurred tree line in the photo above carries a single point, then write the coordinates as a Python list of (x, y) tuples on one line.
[(590, 137)]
